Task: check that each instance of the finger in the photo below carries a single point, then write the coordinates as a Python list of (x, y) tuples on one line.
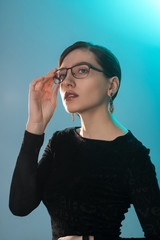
[(42, 83), (44, 78), (51, 73), (50, 77), (35, 81), (48, 85), (39, 86), (54, 92)]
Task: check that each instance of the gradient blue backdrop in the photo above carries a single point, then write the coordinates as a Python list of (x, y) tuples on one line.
[(33, 35)]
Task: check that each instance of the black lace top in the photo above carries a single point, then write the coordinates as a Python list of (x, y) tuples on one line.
[(87, 185)]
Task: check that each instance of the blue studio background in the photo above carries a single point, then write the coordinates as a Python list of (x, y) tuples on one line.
[(33, 35)]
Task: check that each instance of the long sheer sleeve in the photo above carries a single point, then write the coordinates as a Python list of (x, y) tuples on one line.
[(145, 193), (25, 194)]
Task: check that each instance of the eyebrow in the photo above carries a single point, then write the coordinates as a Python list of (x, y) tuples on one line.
[(77, 64)]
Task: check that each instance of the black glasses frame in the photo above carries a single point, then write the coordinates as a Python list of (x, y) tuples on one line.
[(78, 64)]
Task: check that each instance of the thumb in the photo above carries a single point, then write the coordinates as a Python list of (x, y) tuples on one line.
[(54, 93)]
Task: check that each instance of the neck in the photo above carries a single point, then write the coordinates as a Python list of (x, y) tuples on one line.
[(100, 124)]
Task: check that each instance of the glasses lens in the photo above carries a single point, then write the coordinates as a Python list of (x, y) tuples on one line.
[(80, 71), (56, 79), (61, 74)]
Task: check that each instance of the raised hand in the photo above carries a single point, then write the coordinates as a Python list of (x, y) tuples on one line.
[(42, 102)]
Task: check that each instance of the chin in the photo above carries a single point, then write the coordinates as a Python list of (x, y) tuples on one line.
[(70, 109), (78, 110)]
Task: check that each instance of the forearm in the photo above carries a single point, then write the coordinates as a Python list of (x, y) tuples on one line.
[(145, 194), (35, 128), (24, 192)]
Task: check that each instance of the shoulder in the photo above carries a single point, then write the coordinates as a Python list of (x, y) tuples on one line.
[(135, 146), (139, 158), (64, 132), (62, 135), (132, 151)]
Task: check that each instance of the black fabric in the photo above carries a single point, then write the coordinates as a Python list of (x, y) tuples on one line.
[(87, 185), (85, 237)]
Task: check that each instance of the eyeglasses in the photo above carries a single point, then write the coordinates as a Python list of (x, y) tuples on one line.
[(80, 70)]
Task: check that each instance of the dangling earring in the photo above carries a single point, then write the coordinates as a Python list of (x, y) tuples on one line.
[(110, 105), (73, 117)]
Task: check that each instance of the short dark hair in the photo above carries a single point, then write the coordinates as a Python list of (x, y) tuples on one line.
[(105, 58)]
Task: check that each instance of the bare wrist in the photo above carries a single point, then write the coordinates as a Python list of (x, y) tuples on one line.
[(35, 128)]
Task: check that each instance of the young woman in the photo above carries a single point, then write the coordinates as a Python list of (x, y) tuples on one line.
[(89, 175)]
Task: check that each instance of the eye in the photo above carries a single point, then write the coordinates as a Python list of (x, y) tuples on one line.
[(82, 70), (62, 77)]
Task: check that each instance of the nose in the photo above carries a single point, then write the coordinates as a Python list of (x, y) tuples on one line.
[(69, 79)]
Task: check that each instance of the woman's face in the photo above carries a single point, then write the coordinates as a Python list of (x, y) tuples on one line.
[(91, 90)]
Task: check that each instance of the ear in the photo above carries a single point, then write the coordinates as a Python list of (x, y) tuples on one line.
[(113, 85)]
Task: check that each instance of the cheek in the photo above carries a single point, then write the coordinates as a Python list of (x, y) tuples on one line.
[(94, 90), (61, 91)]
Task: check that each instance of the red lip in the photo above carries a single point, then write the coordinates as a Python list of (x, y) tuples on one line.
[(70, 94)]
